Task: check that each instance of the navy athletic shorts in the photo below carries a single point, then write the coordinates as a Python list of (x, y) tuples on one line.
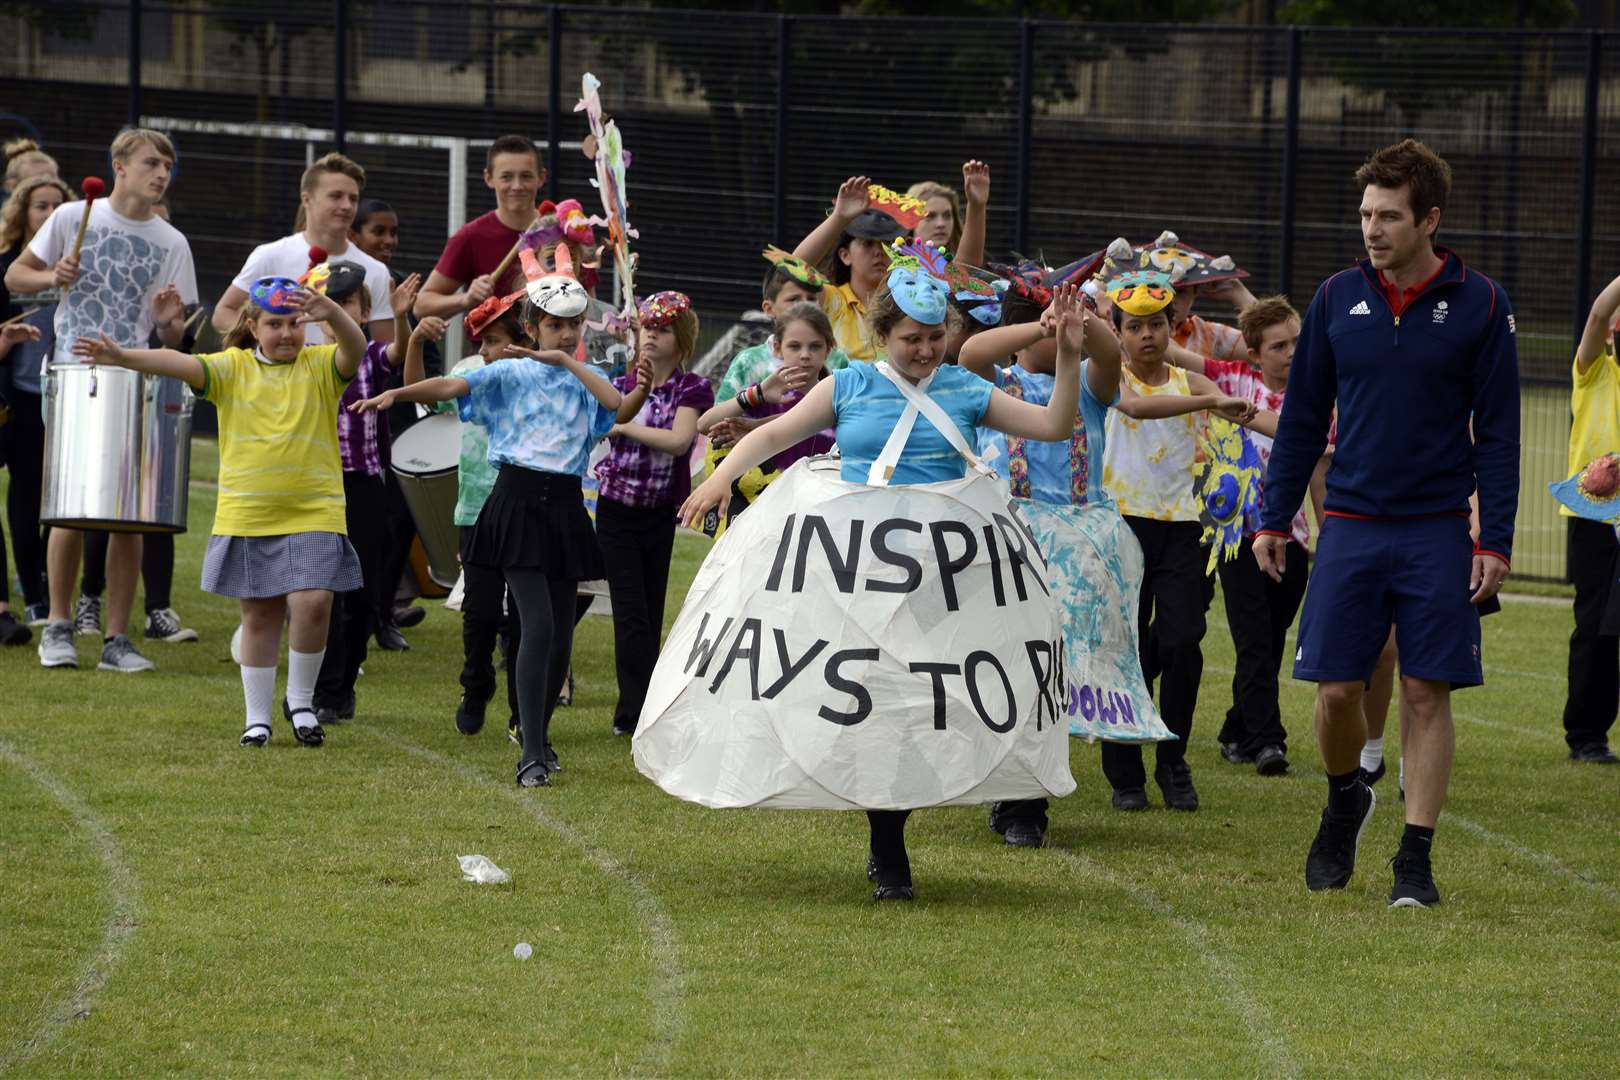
[(1368, 575)]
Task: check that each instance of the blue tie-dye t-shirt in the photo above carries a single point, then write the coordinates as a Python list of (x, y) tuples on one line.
[(538, 416), (868, 407)]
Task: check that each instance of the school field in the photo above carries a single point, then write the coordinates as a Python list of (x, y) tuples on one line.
[(170, 903)]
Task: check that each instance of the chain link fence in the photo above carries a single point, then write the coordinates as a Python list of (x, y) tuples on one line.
[(1242, 139)]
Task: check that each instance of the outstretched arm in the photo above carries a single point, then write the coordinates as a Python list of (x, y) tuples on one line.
[(178, 365), (429, 329), (351, 340), (813, 413), (851, 200), (1056, 419), (402, 296), (426, 392)]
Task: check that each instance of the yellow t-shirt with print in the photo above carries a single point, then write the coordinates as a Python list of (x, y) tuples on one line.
[(279, 467), (848, 317), (1149, 465), (1595, 401)]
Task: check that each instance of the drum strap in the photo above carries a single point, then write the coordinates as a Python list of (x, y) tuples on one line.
[(918, 401)]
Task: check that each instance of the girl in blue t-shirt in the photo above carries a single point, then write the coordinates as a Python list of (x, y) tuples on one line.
[(910, 317), (542, 419)]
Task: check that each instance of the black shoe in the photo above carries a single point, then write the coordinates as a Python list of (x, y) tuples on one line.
[(549, 756), (255, 736), (407, 617), (1332, 858), (311, 736), (1414, 881), (470, 714), (345, 710), (514, 731), (1371, 778), (622, 728), (1130, 799), (871, 867), (1177, 786), (893, 892), (1271, 761), (1025, 834), (13, 632), (328, 714), (389, 637), (1596, 753), (533, 774), (1234, 755)]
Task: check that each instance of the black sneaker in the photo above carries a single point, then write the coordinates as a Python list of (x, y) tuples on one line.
[(1597, 753), (1414, 881), (13, 632), (1271, 761), (1025, 834), (1176, 784), (622, 728), (1234, 755), (1371, 778), (1130, 799), (389, 638), (407, 617), (470, 714), (1332, 858)]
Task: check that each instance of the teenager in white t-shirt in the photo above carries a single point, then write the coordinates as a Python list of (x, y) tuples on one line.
[(329, 195), (132, 278)]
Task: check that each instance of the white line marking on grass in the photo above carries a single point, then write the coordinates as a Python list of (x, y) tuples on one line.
[(122, 888), (1510, 729), (667, 995), (1264, 1030), (1530, 854)]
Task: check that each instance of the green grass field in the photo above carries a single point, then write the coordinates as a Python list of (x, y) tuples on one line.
[(170, 903)]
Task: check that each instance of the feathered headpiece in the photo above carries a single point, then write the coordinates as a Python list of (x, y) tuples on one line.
[(796, 268)]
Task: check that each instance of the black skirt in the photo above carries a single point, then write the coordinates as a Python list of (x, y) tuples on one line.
[(536, 520)]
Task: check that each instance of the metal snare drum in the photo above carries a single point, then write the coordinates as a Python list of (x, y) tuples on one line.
[(117, 449), (426, 459)]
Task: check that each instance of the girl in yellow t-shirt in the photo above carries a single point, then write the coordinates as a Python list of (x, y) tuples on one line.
[(279, 543)]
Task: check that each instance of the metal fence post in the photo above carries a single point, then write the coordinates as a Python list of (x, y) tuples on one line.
[(1290, 165), (1026, 129), (784, 69), (1589, 140), (554, 34), (134, 63), (340, 75)]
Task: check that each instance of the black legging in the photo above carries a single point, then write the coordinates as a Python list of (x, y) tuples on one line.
[(157, 567), (546, 607), (888, 828), (24, 439)]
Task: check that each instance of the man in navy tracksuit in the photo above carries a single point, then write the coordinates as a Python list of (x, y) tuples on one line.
[(1411, 344)]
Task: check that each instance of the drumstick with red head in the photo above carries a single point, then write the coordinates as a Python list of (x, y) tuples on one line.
[(93, 189), (317, 255)]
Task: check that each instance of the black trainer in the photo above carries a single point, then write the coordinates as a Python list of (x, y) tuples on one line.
[(1023, 833), (1372, 777), (1414, 881), (470, 714), (1133, 798), (1271, 761), (1234, 754), (1175, 782), (1597, 753), (1332, 859)]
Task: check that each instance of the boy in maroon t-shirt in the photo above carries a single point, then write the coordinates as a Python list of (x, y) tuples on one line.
[(463, 277)]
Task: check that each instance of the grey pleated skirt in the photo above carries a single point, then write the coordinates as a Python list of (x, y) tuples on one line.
[(261, 567)]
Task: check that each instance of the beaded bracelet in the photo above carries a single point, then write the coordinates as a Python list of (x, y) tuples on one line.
[(751, 397)]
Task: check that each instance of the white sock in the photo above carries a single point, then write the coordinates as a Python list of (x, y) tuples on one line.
[(303, 668), (1372, 754), (258, 690), (1402, 780)]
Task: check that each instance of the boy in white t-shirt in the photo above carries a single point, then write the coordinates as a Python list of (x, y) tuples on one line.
[(329, 195), (132, 278)]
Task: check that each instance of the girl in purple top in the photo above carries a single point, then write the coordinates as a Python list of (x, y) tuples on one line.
[(802, 338), (645, 477), (364, 444)]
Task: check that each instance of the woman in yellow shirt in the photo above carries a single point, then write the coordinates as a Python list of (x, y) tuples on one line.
[(279, 543)]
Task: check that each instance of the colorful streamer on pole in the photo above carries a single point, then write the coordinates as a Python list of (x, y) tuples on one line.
[(612, 159)]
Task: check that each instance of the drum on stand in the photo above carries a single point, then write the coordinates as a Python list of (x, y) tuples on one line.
[(426, 460), (117, 449)]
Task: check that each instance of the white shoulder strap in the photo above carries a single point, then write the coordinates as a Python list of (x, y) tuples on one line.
[(918, 401)]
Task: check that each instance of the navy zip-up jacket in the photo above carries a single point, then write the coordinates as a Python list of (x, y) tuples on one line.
[(1406, 387)]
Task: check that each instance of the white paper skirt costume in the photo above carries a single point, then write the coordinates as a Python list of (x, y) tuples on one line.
[(1094, 565), (849, 646)]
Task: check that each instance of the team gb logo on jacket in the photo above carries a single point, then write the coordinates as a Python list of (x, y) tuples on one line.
[(1440, 311)]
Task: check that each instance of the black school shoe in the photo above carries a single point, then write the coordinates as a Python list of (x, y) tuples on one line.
[(1234, 755), (533, 774), (1414, 881), (1596, 753), (1025, 834), (407, 617), (1133, 798), (13, 632), (1332, 858), (1271, 761), (470, 714), (1176, 784)]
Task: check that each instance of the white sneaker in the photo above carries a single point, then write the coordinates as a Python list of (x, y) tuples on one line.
[(87, 616), (56, 648), (164, 625), (120, 654)]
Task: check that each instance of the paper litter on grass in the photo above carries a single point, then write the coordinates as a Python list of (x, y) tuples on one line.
[(479, 869)]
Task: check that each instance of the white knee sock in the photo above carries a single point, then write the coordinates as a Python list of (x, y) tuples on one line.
[(1372, 754), (303, 668), (258, 690)]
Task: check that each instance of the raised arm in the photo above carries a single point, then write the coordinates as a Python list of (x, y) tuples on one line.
[(1056, 419), (976, 192), (813, 413), (1599, 323), (351, 340), (402, 296), (179, 365), (980, 352), (1102, 373), (429, 329), (630, 404), (851, 200)]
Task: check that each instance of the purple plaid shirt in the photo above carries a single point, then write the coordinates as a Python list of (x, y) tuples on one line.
[(364, 440), (638, 475)]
